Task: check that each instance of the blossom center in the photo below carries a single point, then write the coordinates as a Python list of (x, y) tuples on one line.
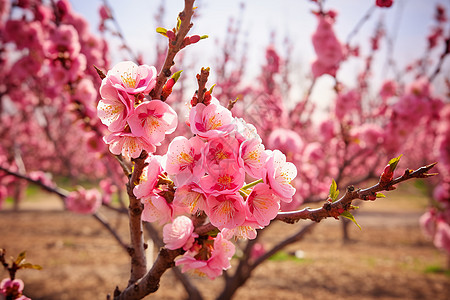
[(129, 81)]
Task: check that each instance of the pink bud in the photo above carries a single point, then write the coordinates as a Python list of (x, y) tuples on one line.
[(194, 39), (170, 34)]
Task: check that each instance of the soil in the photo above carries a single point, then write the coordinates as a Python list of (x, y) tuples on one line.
[(389, 258)]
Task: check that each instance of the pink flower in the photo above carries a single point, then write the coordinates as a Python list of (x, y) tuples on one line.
[(114, 108), (346, 103), (215, 261), (133, 79), (327, 47), (64, 43), (190, 197), (222, 148), (227, 178), (388, 89), (262, 204), (257, 251), (246, 231), (287, 141), (384, 3), (245, 131), (153, 120), (370, 135), (428, 223), (127, 144), (85, 92), (84, 201), (442, 236), (184, 160), (179, 234), (149, 178), (108, 188), (42, 177), (12, 289), (253, 154), (156, 208), (280, 174), (210, 121), (105, 12), (226, 211)]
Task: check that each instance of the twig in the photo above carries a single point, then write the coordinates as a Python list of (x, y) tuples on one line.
[(202, 78), (111, 230), (137, 249), (441, 59), (292, 239), (344, 203), (63, 194), (174, 47), (120, 33), (358, 25)]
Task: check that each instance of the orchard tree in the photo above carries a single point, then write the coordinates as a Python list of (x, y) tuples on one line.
[(219, 182)]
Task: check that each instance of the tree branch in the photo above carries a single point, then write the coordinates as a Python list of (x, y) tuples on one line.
[(63, 195), (193, 292), (150, 282), (335, 209), (441, 59), (137, 249), (174, 47)]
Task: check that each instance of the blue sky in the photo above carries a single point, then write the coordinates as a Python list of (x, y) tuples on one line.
[(411, 19)]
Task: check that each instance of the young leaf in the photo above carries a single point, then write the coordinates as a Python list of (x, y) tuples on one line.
[(349, 216), (162, 31), (334, 192), (20, 258), (394, 162), (380, 195), (176, 75), (30, 266)]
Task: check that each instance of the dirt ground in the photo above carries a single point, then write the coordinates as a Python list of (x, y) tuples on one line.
[(388, 259)]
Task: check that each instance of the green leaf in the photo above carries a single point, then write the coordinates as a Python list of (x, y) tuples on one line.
[(380, 195), (30, 266), (162, 31), (334, 192), (349, 216), (394, 162), (176, 75), (212, 88)]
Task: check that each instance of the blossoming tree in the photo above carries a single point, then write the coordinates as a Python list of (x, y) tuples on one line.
[(220, 182)]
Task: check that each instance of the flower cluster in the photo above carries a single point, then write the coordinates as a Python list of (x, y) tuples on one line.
[(135, 123), (210, 171), (327, 46), (84, 201)]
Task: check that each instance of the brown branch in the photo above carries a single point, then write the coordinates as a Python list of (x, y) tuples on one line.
[(137, 249), (62, 193), (202, 78), (174, 47), (150, 282), (441, 59), (55, 190), (360, 23), (335, 209), (231, 103), (193, 292)]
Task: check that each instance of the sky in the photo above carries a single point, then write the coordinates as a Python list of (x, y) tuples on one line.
[(408, 20)]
